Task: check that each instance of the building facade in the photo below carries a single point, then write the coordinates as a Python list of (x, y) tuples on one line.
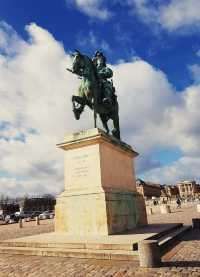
[(187, 189), (170, 191), (27, 204), (148, 189), (37, 204)]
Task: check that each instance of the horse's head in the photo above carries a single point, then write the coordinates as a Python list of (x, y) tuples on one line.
[(83, 66), (78, 61)]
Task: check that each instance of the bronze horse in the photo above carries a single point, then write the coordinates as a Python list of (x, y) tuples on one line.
[(89, 94)]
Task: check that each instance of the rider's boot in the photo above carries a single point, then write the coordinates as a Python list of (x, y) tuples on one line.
[(107, 101), (108, 96)]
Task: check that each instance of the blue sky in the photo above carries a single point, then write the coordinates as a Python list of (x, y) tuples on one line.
[(124, 33), (154, 48)]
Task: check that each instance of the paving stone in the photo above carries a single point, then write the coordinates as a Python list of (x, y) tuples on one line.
[(182, 261)]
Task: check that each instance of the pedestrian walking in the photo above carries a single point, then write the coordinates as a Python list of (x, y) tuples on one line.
[(178, 202)]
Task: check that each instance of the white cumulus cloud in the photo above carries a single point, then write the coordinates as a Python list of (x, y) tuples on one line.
[(36, 113), (93, 8), (35, 93), (93, 41), (186, 168), (171, 15)]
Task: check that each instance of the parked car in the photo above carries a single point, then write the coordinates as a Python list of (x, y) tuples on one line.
[(20, 214), (11, 218), (23, 215), (34, 214), (46, 215), (52, 214)]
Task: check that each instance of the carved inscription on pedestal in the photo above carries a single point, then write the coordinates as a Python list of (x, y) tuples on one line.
[(80, 166)]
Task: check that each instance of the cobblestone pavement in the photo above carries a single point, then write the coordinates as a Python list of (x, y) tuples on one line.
[(183, 260)]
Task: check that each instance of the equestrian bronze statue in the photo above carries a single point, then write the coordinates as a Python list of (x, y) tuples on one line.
[(96, 90)]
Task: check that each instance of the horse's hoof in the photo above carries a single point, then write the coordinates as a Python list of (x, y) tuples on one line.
[(116, 134)]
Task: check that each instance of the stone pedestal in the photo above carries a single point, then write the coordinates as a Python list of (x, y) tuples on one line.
[(100, 195)]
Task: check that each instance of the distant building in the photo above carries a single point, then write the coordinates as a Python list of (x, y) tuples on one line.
[(187, 189), (27, 204), (148, 189), (37, 204), (170, 191)]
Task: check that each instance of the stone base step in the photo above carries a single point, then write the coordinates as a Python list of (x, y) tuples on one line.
[(119, 247), (127, 242), (162, 234), (169, 239), (122, 255), (94, 246)]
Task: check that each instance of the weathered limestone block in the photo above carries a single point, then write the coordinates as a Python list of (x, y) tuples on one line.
[(100, 195), (149, 253)]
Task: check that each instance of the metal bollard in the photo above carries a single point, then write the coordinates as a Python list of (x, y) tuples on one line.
[(20, 223), (196, 223), (149, 210), (37, 220), (149, 253)]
